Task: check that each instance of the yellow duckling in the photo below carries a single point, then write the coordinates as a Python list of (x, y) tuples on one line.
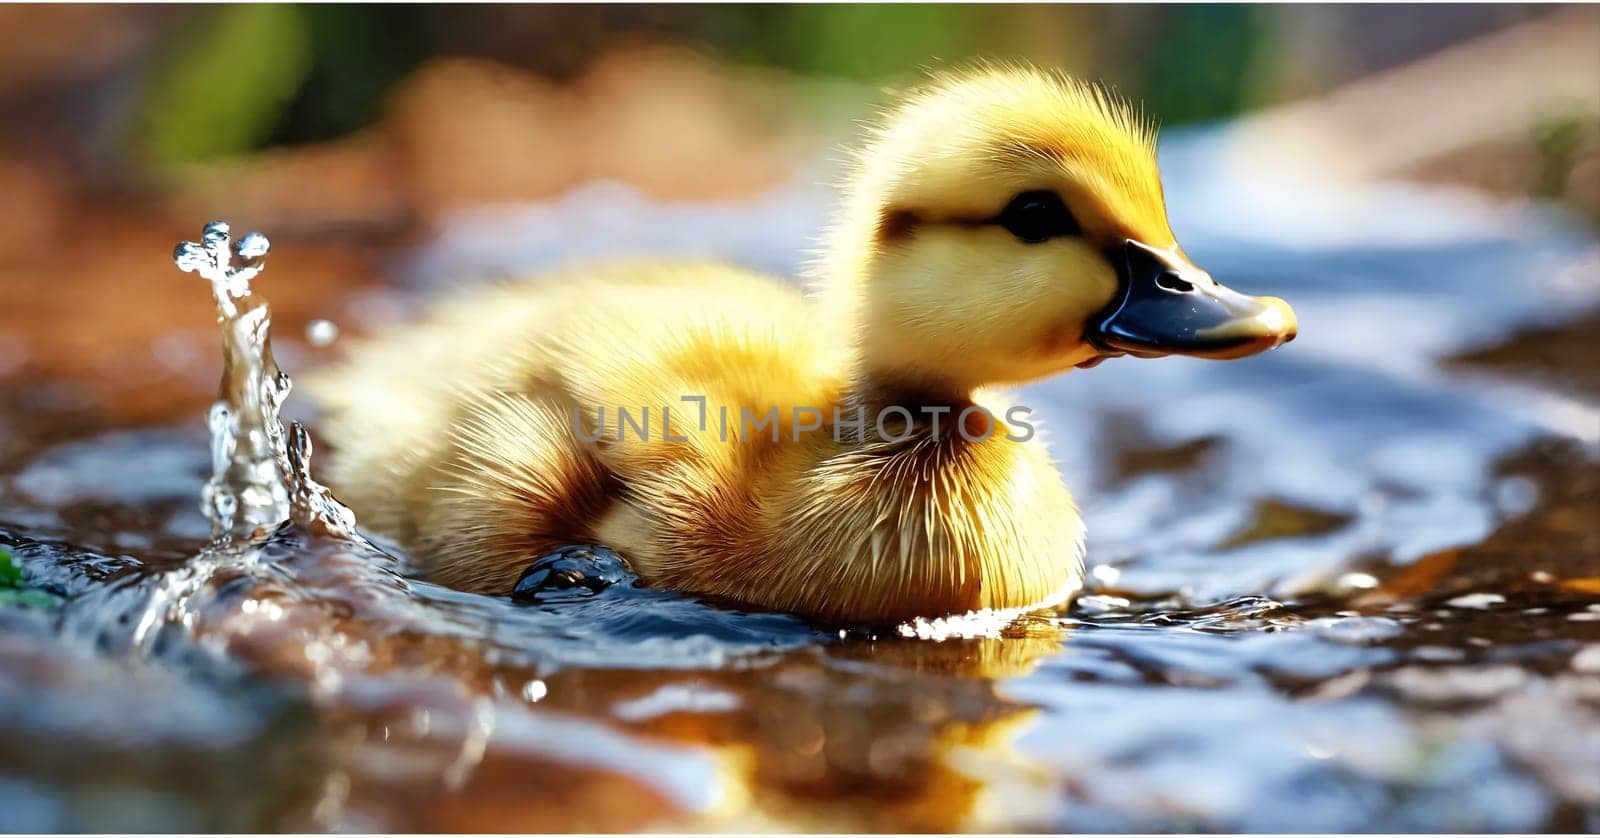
[(840, 456)]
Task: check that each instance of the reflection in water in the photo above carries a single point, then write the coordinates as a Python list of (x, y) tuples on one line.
[(1351, 585)]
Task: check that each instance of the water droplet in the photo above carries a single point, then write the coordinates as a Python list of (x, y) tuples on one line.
[(320, 332), (191, 256), (215, 233), (253, 247)]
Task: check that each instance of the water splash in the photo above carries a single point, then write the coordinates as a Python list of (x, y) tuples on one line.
[(271, 522), (260, 476)]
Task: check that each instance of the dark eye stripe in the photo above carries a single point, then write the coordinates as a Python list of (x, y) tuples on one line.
[(898, 225), (1033, 216)]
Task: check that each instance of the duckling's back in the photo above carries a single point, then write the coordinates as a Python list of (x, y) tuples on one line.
[(441, 429)]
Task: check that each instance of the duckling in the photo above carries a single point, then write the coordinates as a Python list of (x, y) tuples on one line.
[(846, 454)]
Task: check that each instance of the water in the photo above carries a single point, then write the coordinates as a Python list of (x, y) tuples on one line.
[(1352, 584)]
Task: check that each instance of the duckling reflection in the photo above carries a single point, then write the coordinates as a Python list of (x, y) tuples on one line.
[(922, 749), (1004, 225), (893, 734), (898, 735)]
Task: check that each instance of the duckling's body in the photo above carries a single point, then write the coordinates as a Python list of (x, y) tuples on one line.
[(823, 455), (457, 436)]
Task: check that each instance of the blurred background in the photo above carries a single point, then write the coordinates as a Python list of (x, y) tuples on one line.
[(356, 130)]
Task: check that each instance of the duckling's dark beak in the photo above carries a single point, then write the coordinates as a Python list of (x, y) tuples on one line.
[(1166, 306)]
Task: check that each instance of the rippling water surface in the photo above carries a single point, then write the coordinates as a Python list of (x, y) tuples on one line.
[(1353, 584)]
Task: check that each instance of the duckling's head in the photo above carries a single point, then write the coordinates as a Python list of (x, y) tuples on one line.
[(1007, 224)]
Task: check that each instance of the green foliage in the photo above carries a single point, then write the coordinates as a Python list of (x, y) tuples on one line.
[(357, 54), (1207, 62), (14, 591), (238, 78), (10, 573), (1557, 140), (1187, 63), (227, 84), (863, 41)]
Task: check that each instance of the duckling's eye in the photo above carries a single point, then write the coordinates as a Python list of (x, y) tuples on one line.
[(1036, 216)]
